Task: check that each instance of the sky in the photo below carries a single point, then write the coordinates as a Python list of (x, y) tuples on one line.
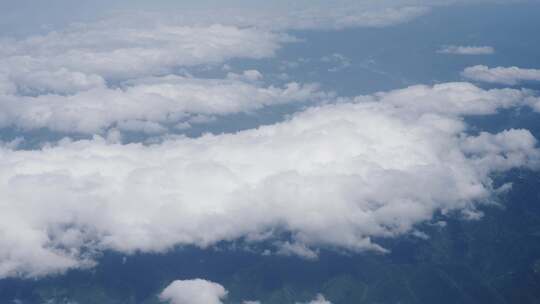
[(138, 127)]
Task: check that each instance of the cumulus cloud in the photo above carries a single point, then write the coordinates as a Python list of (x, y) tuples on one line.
[(451, 98), (123, 74), (129, 44), (467, 50), (199, 291), (196, 291), (502, 75), (89, 77), (333, 176), (114, 50), (148, 105)]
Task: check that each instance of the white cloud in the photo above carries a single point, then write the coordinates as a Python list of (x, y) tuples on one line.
[(60, 81), (333, 176), (466, 50), (451, 98), (131, 44), (350, 15), (114, 50), (120, 73), (320, 299), (89, 77), (502, 75), (147, 105), (196, 291)]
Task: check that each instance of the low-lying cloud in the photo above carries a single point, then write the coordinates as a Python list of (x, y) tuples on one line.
[(333, 176), (501, 75), (150, 105), (124, 74)]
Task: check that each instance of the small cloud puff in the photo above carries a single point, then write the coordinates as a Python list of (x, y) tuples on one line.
[(196, 291), (466, 50)]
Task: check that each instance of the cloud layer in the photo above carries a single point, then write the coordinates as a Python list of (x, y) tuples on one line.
[(502, 75), (115, 50), (336, 176), (333, 176), (151, 105), (124, 75), (277, 14)]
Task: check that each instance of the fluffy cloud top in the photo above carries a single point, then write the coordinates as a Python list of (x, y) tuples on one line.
[(467, 50), (502, 75), (333, 176), (200, 291), (193, 292)]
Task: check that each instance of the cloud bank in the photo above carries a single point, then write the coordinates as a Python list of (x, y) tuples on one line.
[(333, 176), (92, 77), (151, 105), (502, 75), (115, 50)]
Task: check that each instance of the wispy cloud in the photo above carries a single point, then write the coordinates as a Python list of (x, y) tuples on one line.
[(466, 50)]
